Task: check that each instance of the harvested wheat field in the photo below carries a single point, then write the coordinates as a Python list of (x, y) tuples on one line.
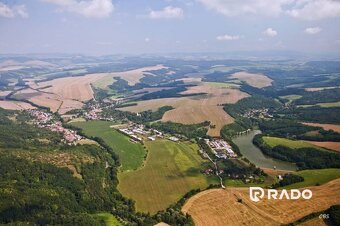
[(196, 109), (326, 144), (65, 94), (48, 100), (132, 76), (218, 207), (256, 80), (74, 88), (334, 127), (15, 105), (314, 222)]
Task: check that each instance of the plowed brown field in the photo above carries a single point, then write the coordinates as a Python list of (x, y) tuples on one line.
[(326, 144), (334, 127)]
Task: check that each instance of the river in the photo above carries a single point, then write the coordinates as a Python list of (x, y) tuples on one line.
[(255, 155)]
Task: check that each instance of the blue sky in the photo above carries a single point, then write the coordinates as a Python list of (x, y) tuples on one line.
[(159, 26)]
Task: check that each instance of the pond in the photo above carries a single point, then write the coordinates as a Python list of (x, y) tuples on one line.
[(255, 155)]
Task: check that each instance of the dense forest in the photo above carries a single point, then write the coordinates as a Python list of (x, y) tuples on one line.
[(288, 179), (39, 186)]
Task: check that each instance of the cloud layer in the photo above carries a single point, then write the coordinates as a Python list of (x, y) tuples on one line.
[(87, 8), (228, 37), (270, 32), (168, 12), (10, 12), (302, 9), (312, 30)]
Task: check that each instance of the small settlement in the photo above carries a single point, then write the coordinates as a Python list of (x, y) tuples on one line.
[(45, 120), (221, 148), (138, 132)]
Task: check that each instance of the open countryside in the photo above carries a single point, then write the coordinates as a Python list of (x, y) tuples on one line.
[(171, 170), (167, 113), (131, 154), (221, 207)]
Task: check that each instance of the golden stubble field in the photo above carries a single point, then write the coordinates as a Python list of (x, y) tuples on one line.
[(218, 207), (196, 109), (15, 105), (256, 80), (65, 94)]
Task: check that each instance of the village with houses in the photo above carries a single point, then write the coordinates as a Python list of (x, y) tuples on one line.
[(258, 113), (45, 120)]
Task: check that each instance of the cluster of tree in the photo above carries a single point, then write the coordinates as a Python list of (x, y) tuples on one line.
[(327, 95), (334, 215), (46, 194), (313, 114), (142, 117), (16, 133), (3, 82), (285, 128), (305, 158), (253, 102), (288, 179), (235, 169), (239, 125), (189, 131), (218, 76), (167, 93), (293, 129)]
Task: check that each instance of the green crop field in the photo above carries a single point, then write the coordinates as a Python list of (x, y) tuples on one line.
[(108, 218), (291, 97), (130, 154), (331, 104), (171, 170), (275, 141), (313, 177)]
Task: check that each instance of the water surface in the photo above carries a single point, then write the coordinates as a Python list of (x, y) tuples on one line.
[(255, 155)]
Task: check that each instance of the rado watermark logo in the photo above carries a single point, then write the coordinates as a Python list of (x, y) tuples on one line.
[(257, 193)]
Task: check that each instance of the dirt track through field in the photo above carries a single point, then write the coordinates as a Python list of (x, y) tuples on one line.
[(218, 207)]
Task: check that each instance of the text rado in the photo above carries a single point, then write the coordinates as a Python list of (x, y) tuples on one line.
[(257, 193)]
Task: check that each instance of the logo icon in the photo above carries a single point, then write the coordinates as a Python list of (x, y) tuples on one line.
[(256, 193)]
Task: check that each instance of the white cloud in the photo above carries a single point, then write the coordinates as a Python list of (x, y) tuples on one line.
[(315, 9), (147, 39), (270, 32), (10, 12), (168, 12), (88, 8), (239, 7), (312, 30), (302, 9), (228, 37)]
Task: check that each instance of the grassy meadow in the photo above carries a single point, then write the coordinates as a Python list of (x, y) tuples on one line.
[(171, 170), (313, 177), (108, 218), (130, 154), (275, 141)]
